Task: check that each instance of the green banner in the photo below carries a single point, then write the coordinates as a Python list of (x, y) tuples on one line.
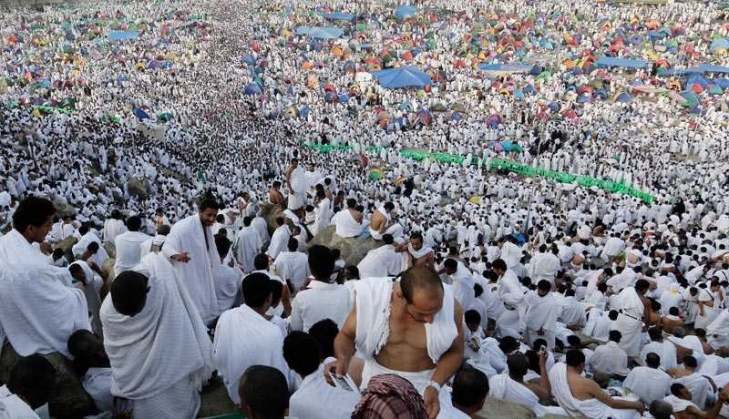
[(522, 169)]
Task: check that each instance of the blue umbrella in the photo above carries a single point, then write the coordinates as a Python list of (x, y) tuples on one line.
[(140, 114), (402, 77), (253, 89), (304, 111), (248, 59)]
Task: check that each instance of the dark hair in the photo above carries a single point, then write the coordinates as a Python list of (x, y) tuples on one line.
[(265, 391), (508, 344), (134, 223), (301, 352), (256, 289), (690, 361), (472, 316), (416, 235), (93, 247), (280, 221), (351, 203), (477, 290), (498, 264), (276, 292), (293, 244), (422, 278), (470, 388), (321, 262), (325, 331), (613, 315), (129, 292), (387, 238), (676, 388), (653, 360), (247, 221), (389, 206), (260, 262), (518, 364), (673, 311), (33, 211), (575, 357), (642, 285), (222, 244), (33, 378), (209, 201), (450, 264)]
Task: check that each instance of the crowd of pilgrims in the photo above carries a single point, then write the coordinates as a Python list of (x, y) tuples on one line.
[(146, 255)]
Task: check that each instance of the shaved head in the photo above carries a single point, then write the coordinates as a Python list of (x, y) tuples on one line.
[(420, 279)]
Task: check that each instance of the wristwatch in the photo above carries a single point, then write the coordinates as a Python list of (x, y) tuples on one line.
[(435, 385)]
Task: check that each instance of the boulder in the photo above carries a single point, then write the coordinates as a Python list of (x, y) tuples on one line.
[(270, 212), (68, 400), (63, 209), (498, 409), (353, 250), (139, 188)]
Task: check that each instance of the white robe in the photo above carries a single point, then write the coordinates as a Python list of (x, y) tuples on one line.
[(503, 387), (39, 309), (345, 224), (248, 245), (292, 266), (197, 275), (541, 313), (591, 408), (228, 283), (166, 381), (648, 383), (12, 407), (380, 262), (489, 359), (244, 338), (279, 241), (629, 322), (511, 294), (316, 399)]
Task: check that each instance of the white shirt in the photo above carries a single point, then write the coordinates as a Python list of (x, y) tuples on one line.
[(228, 283), (316, 399), (610, 359), (12, 407), (320, 301), (648, 383), (128, 250)]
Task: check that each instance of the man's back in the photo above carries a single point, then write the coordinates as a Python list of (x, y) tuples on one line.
[(292, 266), (128, 250), (648, 383), (321, 301), (610, 359)]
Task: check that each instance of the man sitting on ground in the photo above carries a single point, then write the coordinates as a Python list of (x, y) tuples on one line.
[(263, 393), (29, 387)]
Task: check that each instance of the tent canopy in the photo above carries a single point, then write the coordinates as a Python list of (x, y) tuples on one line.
[(708, 68), (122, 35), (402, 77), (405, 11), (339, 16), (603, 62), (719, 44), (320, 32), (508, 68)]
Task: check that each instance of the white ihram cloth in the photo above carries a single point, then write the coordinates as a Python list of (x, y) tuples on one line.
[(93, 299), (228, 282), (318, 302), (679, 405), (541, 314), (39, 309), (510, 293), (544, 266), (297, 185), (489, 359), (316, 399), (12, 407), (503, 387), (196, 275), (248, 245), (717, 331), (244, 338), (698, 386), (629, 322), (648, 383), (394, 230), (345, 224), (591, 408), (463, 282), (610, 359), (292, 266), (373, 301), (128, 250), (113, 228), (161, 357), (415, 254), (666, 350), (380, 262), (324, 215), (79, 248), (279, 241)]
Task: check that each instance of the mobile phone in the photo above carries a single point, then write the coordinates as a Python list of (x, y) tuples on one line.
[(344, 383), (542, 350)]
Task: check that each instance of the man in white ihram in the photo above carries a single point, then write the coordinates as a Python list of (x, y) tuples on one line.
[(630, 320), (411, 328), (191, 247), (381, 262)]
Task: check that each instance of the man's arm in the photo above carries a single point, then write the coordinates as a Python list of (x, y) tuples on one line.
[(451, 361), (712, 413), (286, 299), (344, 348), (595, 391)]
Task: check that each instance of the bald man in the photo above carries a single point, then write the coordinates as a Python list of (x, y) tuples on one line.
[(411, 328)]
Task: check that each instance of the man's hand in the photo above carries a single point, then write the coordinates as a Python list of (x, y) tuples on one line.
[(339, 368), (181, 257), (639, 407), (540, 332), (432, 403)]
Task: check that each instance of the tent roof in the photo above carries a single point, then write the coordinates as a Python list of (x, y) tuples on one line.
[(405, 11), (402, 77), (708, 68), (339, 16), (621, 62), (320, 32), (508, 68)]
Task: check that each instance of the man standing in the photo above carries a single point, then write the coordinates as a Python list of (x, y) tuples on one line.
[(541, 315), (279, 239), (411, 328), (191, 247), (511, 295), (150, 314), (128, 246), (39, 308), (632, 308), (248, 244)]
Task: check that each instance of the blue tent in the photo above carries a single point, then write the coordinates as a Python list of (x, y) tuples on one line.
[(509, 68), (248, 59), (339, 16), (720, 43), (304, 111), (320, 32), (122, 35), (140, 114), (623, 98), (405, 11), (253, 89), (708, 68), (397, 78), (603, 62), (697, 79)]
